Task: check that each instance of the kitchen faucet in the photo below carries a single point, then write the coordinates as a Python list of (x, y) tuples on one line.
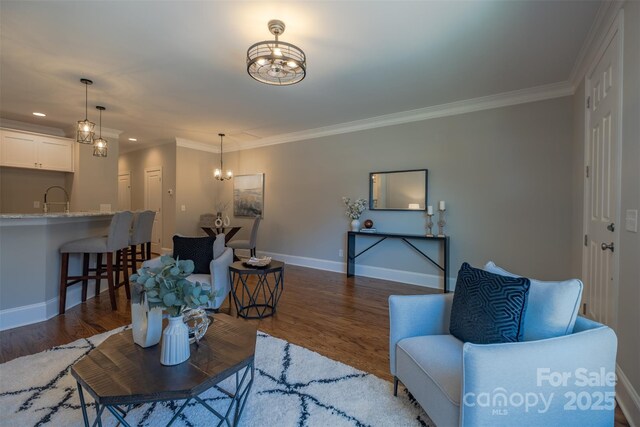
[(46, 205)]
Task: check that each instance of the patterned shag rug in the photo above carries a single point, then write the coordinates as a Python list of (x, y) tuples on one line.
[(293, 387)]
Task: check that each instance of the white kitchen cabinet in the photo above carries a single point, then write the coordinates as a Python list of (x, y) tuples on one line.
[(36, 151)]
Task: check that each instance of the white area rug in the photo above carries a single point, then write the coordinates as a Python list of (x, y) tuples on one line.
[(293, 387)]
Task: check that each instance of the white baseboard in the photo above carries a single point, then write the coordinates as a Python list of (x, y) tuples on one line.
[(628, 398), (410, 277), (34, 313)]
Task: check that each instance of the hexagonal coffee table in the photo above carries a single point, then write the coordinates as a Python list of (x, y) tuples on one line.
[(120, 374)]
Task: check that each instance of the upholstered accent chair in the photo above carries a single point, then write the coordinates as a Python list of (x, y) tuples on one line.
[(552, 377), (217, 277)]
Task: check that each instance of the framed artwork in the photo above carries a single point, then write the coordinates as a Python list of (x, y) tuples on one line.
[(248, 195)]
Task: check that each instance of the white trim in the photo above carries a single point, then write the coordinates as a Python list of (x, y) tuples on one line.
[(628, 398), (33, 313), (31, 128), (195, 145), (408, 277), (522, 96), (606, 15), (145, 194)]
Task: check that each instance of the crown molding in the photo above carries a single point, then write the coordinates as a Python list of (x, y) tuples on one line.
[(28, 127), (605, 18), (195, 145), (538, 93)]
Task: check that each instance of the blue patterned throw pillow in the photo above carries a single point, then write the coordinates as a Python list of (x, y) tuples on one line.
[(488, 308)]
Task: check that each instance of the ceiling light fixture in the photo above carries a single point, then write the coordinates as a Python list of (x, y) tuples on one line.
[(274, 62), (133, 139), (100, 144), (85, 127), (35, 113), (217, 174)]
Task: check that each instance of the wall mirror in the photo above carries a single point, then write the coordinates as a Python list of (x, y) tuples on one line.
[(398, 190)]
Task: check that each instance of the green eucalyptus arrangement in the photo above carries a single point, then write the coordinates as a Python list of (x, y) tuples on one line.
[(166, 286)]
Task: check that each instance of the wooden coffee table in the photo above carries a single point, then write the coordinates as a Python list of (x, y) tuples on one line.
[(120, 374)]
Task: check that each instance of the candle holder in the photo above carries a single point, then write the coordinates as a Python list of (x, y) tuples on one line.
[(429, 225), (441, 222)]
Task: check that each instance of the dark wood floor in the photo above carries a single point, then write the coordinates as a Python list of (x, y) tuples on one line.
[(346, 319)]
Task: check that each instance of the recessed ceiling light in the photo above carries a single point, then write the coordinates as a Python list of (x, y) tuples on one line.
[(133, 139), (39, 114)]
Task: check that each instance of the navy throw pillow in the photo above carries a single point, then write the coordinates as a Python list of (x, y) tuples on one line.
[(197, 249), (488, 308)]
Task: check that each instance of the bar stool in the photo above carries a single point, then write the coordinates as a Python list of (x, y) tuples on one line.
[(116, 240), (141, 235)]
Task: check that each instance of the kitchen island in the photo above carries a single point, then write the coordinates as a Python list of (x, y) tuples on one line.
[(30, 262)]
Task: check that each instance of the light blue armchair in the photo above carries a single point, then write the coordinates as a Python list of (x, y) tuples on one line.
[(566, 380)]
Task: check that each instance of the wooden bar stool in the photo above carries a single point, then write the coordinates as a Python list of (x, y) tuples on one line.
[(116, 240), (141, 235)]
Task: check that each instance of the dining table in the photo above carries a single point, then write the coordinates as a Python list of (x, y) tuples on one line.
[(229, 231)]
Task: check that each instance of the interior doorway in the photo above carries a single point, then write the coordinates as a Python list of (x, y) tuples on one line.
[(153, 201), (603, 92), (124, 191)]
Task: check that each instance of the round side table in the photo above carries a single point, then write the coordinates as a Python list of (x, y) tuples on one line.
[(256, 290)]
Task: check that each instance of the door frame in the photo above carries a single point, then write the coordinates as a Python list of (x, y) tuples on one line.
[(146, 206), (616, 30)]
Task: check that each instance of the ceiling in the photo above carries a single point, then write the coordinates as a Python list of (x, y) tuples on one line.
[(177, 69)]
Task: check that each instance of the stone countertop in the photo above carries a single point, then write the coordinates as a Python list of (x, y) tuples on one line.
[(54, 215)]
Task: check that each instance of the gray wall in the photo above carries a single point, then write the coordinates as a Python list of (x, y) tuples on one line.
[(19, 188), (503, 172), (136, 162), (195, 188), (95, 180)]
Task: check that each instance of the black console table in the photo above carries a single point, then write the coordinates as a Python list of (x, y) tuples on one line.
[(443, 240)]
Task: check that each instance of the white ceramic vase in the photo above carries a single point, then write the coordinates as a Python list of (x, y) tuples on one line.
[(355, 225), (175, 342), (146, 324)]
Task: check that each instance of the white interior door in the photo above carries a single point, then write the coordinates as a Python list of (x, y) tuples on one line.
[(153, 201), (602, 184), (124, 192)]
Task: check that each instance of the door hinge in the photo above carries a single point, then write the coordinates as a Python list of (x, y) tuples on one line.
[(584, 308), (587, 170), (586, 240), (589, 102)]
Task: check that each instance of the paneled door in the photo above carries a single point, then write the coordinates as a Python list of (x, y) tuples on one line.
[(602, 183), (153, 201), (124, 191)]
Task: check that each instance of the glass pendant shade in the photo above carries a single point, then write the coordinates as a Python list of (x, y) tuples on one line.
[(85, 133), (218, 174), (275, 62), (100, 145)]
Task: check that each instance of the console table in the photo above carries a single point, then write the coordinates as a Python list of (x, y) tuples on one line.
[(442, 240)]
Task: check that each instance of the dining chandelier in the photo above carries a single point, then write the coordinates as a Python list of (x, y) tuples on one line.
[(100, 144), (275, 62), (84, 134), (218, 174)]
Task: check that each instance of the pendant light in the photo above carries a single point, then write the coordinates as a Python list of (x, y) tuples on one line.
[(275, 62), (84, 134), (217, 174), (100, 144)]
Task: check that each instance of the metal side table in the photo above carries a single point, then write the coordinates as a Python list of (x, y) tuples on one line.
[(256, 290)]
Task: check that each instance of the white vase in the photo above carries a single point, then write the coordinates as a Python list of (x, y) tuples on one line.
[(175, 342), (355, 225), (146, 324), (226, 221)]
